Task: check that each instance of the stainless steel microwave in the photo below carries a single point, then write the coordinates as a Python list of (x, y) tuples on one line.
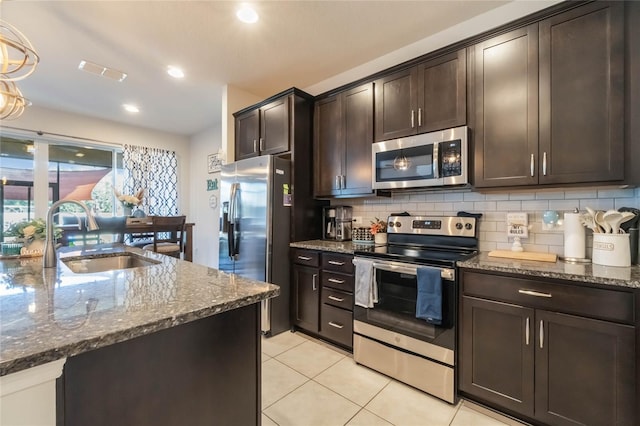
[(430, 159)]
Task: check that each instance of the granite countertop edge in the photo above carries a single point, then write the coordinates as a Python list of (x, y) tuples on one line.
[(86, 345), (346, 247), (584, 273)]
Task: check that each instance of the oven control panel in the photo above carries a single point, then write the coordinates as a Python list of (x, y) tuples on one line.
[(433, 225)]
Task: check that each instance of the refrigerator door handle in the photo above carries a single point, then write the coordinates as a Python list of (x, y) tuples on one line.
[(234, 248)]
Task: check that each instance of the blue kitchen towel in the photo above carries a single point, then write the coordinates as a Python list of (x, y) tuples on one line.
[(429, 300)]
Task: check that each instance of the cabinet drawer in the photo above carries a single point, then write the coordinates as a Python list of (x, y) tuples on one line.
[(339, 299), (338, 281), (306, 257), (337, 325), (574, 299), (337, 263)]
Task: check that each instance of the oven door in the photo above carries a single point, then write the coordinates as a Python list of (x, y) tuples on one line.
[(405, 163), (395, 309)]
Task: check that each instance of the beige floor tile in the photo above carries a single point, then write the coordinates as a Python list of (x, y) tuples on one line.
[(266, 421), (358, 384), (312, 405), (367, 418), (277, 344), (277, 381), (403, 405), (468, 417), (265, 357), (309, 358)]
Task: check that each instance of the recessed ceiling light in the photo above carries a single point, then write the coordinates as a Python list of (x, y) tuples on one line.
[(79, 154), (247, 14), (131, 108), (175, 72)]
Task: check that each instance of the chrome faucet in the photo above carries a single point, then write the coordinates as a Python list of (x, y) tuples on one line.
[(50, 259)]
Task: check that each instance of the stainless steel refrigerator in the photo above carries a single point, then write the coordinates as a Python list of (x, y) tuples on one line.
[(255, 217)]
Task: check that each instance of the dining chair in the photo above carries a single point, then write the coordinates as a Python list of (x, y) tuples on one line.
[(168, 235), (111, 226)]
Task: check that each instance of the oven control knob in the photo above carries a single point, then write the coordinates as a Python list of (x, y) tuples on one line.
[(396, 224), (458, 225), (468, 226)]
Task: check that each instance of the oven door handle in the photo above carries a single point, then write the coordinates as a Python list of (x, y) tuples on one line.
[(446, 273)]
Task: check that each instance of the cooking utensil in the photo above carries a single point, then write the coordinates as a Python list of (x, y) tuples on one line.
[(596, 227), (599, 216), (587, 220), (613, 218), (631, 223)]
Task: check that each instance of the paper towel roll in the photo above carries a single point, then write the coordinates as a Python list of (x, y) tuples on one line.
[(574, 236)]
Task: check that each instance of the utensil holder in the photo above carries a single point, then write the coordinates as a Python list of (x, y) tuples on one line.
[(611, 250)]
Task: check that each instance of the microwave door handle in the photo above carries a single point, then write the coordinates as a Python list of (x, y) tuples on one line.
[(436, 161)]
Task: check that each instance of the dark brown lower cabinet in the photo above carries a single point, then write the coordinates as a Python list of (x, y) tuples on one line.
[(306, 297), (204, 372), (547, 367)]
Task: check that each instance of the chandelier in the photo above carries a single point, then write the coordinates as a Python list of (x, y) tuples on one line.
[(18, 61)]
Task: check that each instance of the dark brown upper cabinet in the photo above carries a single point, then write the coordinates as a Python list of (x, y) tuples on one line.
[(343, 135), (264, 130), (429, 96), (549, 101)]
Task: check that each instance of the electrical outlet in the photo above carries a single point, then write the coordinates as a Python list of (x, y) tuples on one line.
[(357, 220)]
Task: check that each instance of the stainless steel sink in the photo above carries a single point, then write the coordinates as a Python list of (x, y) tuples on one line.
[(101, 263)]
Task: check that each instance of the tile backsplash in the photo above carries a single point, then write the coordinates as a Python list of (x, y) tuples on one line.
[(495, 205)]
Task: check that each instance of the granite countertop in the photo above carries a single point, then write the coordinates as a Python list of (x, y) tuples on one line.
[(588, 273), (48, 314), (347, 247)]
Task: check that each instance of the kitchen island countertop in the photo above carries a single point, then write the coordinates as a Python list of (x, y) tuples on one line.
[(54, 313), (588, 273)]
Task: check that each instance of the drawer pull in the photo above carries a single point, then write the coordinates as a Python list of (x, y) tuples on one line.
[(335, 281), (534, 293), (333, 324), (526, 332), (333, 262), (336, 299), (305, 258)]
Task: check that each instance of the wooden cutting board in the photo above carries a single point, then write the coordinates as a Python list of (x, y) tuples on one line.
[(524, 255)]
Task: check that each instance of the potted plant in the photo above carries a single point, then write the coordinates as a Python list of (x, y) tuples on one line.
[(379, 230), (31, 233)]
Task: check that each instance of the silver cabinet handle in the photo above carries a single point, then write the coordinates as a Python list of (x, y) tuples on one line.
[(541, 334), (343, 182), (544, 163), (412, 119), (333, 324), (526, 332), (261, 144), (314, 286), (335, 281), (419, 117), (533, 166), (333, 262), (305, 258), (255, 145), (338, 182), (534, 293), (335, 299)]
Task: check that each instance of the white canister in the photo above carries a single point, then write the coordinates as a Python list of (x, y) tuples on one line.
[(611, 249)]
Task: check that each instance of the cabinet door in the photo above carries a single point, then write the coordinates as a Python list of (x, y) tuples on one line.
[(582, 94), (274, 127), (306, 297), (497, 348), (328, 146), (247, 134), (506, 109), (357, 109), (442, 92), (396, 105), (584, 371)]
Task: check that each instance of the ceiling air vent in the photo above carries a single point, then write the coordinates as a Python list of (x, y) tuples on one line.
[(102, 71)]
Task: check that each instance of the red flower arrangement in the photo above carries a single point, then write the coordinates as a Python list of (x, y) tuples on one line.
[(378, 226)]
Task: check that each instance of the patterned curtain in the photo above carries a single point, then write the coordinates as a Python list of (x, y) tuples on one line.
[(156, 171)]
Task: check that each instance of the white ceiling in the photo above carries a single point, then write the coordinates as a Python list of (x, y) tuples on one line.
[(295, 43)]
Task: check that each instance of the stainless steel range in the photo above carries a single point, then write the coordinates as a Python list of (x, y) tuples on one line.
[(389, 335)]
